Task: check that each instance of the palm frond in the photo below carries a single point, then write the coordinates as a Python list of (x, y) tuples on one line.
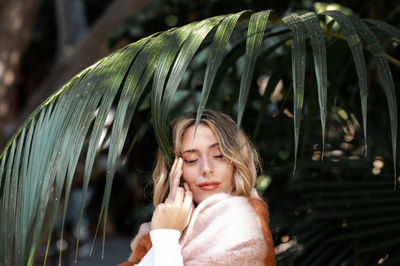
[(391, 30), (183, 59), (353, 41), (217, 53), (293, 21), (312, 24), (169, 53), (387, 80), (39, 162), (257, 24)]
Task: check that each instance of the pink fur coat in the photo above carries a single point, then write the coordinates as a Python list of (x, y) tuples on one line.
[(224, 230)]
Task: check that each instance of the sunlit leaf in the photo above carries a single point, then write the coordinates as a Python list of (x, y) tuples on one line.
[(119, 63), (216, 55), (189, 48), (137, 78), (168, 54)]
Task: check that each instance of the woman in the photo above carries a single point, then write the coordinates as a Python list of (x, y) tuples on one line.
[(217, 218)]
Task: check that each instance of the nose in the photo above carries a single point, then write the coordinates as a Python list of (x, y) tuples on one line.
[(206, 167)]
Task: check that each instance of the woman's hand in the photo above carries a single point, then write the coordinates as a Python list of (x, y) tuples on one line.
[(174, 214), (175, 177), (176, 211)]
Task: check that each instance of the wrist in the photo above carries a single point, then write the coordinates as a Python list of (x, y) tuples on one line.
[(161, 237)]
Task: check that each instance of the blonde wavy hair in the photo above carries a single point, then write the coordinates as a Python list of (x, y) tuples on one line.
[(235, 147)]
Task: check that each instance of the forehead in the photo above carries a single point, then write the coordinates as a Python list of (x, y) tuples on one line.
[(204, 137)]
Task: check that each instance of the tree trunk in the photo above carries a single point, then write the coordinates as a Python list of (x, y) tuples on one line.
[(90, 49), (17, 19), (71, 25)]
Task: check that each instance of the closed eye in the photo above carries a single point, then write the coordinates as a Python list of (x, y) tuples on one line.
[(190, 161), (219, 156)]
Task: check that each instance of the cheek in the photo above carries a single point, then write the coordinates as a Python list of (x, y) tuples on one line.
[(228, 172), (189, 174), (225, 167)]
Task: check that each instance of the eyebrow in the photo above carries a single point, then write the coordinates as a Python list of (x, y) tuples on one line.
[(216, 144)]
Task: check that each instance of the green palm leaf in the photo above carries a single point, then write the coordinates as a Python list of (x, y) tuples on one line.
[(189, 48), (119, 64), (257, 24), (39, 161), (391, 30), (354, 43), (7, 225), (298, 72), (311, 22), (387, 80), (168, 55), (217, 53), (136, 80)]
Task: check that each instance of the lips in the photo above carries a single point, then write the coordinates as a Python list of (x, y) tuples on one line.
[(209, 186)]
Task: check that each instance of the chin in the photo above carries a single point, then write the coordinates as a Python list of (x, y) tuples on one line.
[(199, 199), (204, 196)]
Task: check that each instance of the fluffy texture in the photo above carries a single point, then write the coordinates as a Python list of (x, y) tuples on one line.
[(224, 230)]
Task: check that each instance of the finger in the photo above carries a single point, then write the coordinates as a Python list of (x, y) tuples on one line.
[(174, 163), (175, 177), (179, 194), (189, 205), (178, 171), (168, 200), (186, 186), (173, 167), (171, 177), (180, 163), (188, 200), (155, 220)]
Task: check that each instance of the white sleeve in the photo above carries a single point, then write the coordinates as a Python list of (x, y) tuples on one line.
[(165, 249)]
